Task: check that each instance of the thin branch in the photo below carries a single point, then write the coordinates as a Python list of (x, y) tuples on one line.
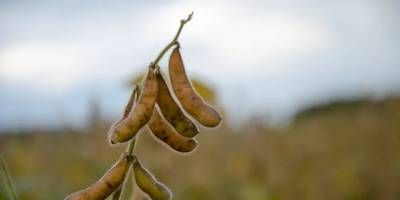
[(131, 147), (134, 98), (174, 40), (131, 157), (6, 175)]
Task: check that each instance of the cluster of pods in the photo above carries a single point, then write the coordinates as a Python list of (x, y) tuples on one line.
[(164, 117), (166, 113)]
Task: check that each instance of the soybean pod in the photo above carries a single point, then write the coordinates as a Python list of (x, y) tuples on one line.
[(167, 134), (149, 184), (172, 112), (111, 180), (187, 96), (127, 128)]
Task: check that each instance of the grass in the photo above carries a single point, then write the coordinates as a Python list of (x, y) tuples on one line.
[(6, 179)]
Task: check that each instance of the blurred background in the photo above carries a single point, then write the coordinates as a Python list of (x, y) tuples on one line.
[(309, 91)]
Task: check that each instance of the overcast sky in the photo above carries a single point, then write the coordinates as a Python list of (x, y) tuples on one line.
[(264, 58)]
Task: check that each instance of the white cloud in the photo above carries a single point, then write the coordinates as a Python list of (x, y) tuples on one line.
[(43, 66)]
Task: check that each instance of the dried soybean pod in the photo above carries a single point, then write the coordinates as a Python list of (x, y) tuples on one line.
[(187, 96), (148, 183), (127, 128), (130, 103), (111, 180), (172, 112), (166, 133)]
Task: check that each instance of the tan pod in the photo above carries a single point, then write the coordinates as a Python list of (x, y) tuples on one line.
[(148, 183), (124, 130), (172, 112), (187, 96), (166, 133), (111, 180)]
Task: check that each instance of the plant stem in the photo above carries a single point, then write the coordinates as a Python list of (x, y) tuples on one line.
[(131, 147), (174, 40), (4, 173), (129, 150), (133, 99)]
